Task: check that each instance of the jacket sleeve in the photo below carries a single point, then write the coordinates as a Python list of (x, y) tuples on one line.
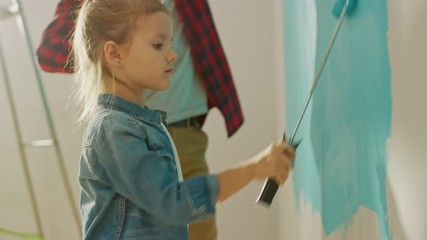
[(53, 53)]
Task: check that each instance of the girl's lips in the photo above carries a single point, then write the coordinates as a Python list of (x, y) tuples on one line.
[(169, 70)]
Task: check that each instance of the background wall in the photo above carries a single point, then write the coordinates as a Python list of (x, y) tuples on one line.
[(247, 29), (407, 193), (252, 34)]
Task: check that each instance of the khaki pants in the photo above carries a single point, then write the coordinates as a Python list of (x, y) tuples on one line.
[(191, 144)]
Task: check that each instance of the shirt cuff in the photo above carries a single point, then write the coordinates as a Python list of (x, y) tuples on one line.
[(203, 194)]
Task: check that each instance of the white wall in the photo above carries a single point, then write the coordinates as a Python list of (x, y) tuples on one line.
[(247, 29), (407, 178)]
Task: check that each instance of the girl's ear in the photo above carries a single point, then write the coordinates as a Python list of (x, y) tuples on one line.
[(112, 54)]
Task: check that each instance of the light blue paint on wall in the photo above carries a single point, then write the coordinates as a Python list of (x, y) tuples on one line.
[(300, 55), (341, 163)]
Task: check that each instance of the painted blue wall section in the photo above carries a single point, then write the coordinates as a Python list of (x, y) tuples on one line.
[(341, 162)]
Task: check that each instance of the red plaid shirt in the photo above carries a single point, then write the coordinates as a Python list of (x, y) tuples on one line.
[(205, 47)]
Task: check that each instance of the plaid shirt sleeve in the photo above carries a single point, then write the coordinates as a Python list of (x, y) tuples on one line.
[(210, 61), (53, 53)]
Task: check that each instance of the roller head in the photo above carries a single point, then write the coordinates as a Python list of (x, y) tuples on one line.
[(339, 4)]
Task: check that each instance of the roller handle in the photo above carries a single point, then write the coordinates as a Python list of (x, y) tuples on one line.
[(268, 191)]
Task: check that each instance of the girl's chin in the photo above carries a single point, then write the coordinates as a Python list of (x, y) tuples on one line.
[(163, 87)]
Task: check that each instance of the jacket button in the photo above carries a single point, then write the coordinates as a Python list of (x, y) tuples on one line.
[(202, 209)]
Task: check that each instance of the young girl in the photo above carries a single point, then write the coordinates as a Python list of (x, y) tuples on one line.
[(131, 183)]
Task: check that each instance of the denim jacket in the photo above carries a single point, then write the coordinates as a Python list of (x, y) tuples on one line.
[(129, 181)]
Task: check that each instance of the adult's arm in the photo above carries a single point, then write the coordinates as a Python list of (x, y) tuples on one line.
[(53, 53)]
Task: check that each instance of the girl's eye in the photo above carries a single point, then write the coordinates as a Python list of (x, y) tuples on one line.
[(158, 46)]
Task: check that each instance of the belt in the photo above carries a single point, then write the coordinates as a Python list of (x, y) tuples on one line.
[(187, 123)]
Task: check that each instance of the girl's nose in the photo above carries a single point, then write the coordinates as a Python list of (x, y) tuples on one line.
[(172, 56)]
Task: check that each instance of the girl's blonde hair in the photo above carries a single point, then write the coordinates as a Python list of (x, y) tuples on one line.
[(100, 21)]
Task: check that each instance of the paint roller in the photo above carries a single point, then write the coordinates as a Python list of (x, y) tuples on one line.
[(340, 9)]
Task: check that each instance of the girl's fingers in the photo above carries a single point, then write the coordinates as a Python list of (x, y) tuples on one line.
[(284, 154), (282, 173), (281, 178), (290, 152), (286, 149)]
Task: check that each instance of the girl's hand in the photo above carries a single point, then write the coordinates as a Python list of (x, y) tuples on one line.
[(274, 162)]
